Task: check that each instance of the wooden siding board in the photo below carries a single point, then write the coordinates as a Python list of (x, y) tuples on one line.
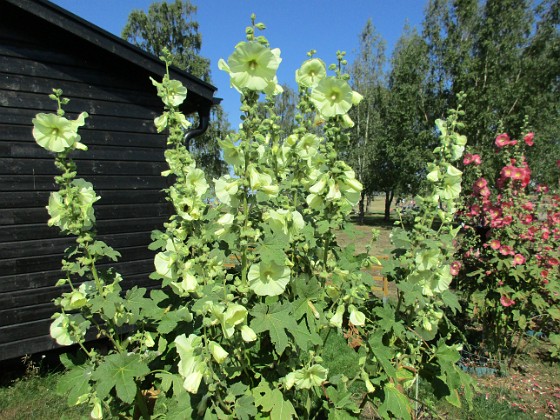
[(25, 199), (42, 231), (49, 278), (124, 162)]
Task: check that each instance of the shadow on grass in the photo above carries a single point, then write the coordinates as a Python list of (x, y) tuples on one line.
[(375, 219)]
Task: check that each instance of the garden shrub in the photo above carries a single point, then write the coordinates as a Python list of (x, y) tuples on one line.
[(253, 280), (508, 256)]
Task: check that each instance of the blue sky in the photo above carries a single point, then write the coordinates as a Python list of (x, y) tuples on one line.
[(294, 26)]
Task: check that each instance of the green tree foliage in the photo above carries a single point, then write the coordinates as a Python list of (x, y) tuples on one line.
[(368, 78), (172, 26), (504, 55), (409, 137)]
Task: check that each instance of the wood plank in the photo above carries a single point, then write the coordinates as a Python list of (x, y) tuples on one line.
[(24, 300), (79, 73), (44, 86), (39, 199), (41, 311), (42, 231), (46, 182), (32, 248), (101, 153), (22, 331), (49, 278), (96, 107), (29, 346), (11, 166), (15, 266), (26, 215)]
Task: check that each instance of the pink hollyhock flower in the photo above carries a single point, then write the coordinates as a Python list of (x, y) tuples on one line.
[(480, 183), (474, 210), (544, 275), (507, 171), (455, 268), (542, 189), (467, 160), (494, 212), (476, 160), (500, 283), (555, 218), (485, 192), (495, 244), (553, 262), (507, 220), (529, 206), (518, 259), (505, 301), (528, 139), (512, 143), (527, 219), (518, 174), (502, 140), (506, 250)]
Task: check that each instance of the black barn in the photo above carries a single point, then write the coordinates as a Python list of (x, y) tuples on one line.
[(43, 47)]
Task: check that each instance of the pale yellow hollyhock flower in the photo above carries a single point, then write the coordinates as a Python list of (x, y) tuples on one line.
[(186, 286), (191, 365), (226, 221), (273, 88), (248, 334), (59, 330), (356, 98), (307, 377), (357, 318), (226, 188), (268, 278), (218, 352), (336, 319), (97, 411), (56, 133), (251, 66), (171, 92), (164, 264), (311, 72), (195, 179), (308, 146), (232, 153), (234, 315), (332, 97)]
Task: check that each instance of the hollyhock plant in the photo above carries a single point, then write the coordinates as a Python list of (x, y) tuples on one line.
[(512, 284)]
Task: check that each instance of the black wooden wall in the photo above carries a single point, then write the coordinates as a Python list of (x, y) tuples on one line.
[(124, 162)]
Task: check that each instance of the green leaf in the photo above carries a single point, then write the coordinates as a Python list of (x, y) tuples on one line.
[(273, 401), (75, 383), (554, 313), (343, 402), (275, 319), (120, 371), (451, 301), (304, 338), (383, 354), (395, 402), (272, 248), (245, 407)]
